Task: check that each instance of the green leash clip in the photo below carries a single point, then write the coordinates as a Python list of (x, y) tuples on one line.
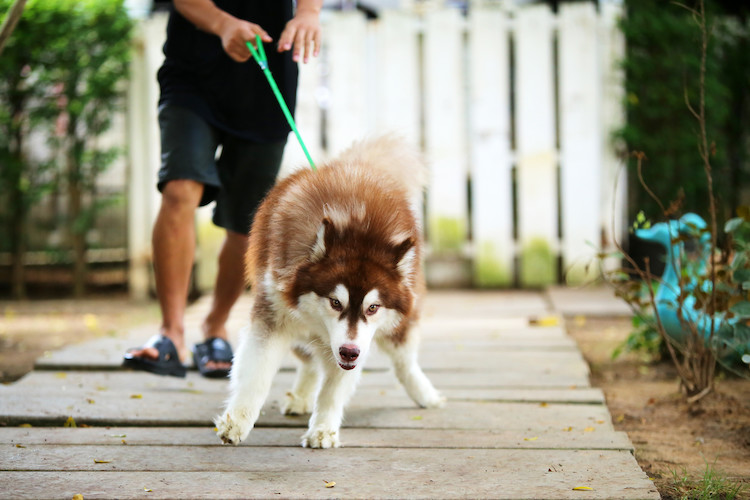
[(260, 57)]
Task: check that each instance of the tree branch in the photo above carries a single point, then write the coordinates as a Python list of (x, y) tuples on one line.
[(10, 21)]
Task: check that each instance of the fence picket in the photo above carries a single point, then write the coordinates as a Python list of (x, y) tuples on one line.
[(144, 153), (614, 177), (535, 146), (580, 140), (347, 80), (491, 160), (397, 74), (445, 114)]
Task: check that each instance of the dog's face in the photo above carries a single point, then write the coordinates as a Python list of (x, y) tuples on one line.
[(355, 287)]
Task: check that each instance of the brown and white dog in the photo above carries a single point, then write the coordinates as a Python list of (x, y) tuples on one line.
[(334, 261)]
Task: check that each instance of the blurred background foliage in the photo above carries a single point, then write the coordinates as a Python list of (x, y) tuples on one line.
[(62, 74), (662, 72)]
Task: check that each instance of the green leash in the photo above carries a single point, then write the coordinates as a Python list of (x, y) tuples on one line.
[(262, 60)]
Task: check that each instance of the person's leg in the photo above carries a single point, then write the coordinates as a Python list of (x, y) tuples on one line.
[(173, 243), (187, 179), (230, 283)]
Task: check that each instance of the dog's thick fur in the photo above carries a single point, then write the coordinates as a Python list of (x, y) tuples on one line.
[(334, 261)]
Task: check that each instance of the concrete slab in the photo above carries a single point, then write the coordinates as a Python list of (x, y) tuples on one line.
[(572, 439), (595, 300), (106, 354), (151, 409), (249, 472)]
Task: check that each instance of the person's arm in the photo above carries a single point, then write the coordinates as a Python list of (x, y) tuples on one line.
[(303, 31), (234, 32)]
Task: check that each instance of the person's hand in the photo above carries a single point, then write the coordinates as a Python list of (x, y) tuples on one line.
[(303, 34), (234, 34)]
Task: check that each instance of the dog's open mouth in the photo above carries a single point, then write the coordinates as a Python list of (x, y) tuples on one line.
[(347, 367)]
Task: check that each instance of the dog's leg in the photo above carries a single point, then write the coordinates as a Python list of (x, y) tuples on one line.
[(338, 386), (255, 364), (300, 399), (409, 373)]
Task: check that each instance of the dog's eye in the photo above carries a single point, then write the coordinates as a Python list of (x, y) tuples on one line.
[(336, 304), (373, 309)]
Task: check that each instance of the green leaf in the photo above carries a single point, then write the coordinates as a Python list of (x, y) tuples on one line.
[(741, 275), (741, 309), (733, 224)]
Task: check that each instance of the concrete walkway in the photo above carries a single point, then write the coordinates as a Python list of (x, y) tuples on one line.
[(522, 420)]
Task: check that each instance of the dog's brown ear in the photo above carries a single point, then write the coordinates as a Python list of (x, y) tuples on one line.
[(323, 240), (404, 255)]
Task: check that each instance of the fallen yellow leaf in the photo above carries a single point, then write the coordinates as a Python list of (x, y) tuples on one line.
[(568, 429), (417, 417), (90, 401), (70, 422), (124, 442), (91, 322), (589, 429), (543, 404), (118, 435), (548, 321), (148, 490), (330, 484), (583, 488), (77, 496), (136, 396), (25, 425), (61, 374), (531, 439), (20, 446), (102, 461)]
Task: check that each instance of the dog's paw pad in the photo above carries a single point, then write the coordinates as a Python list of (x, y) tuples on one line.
[(294, 405), (321, 438), (231, 431)]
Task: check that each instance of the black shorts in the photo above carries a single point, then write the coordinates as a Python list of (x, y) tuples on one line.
[(238, 179)]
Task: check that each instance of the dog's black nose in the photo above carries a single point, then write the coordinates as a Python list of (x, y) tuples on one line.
[(349, 352)]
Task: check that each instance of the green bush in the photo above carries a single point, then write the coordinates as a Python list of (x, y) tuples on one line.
[(662, 67), (61, 73)]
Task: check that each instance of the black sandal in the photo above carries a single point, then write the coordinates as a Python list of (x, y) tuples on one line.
[(216, 350), (168, 362)]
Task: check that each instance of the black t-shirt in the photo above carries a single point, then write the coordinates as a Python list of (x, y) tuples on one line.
[(235, 97)]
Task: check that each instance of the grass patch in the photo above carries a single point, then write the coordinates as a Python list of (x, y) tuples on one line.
[(713, 485)]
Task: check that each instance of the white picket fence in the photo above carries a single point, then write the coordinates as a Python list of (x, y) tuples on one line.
[(513, 107)]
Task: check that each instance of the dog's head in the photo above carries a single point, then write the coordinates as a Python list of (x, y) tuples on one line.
[(357, 282)]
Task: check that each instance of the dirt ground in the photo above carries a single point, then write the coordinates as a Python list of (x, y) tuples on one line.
[(670, 436), (28, 329)]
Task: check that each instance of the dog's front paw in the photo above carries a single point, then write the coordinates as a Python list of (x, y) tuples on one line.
[(232, 430), (295, 405), (321, 438), (432, 399)]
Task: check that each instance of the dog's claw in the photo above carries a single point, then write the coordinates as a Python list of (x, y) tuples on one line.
[(231, 431), (321, 438)]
